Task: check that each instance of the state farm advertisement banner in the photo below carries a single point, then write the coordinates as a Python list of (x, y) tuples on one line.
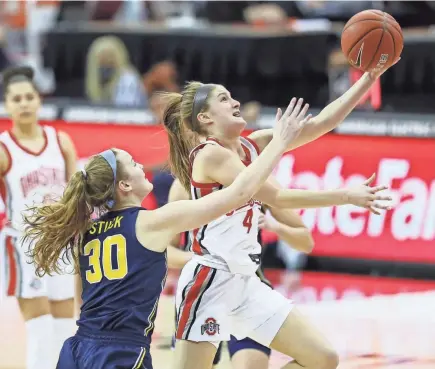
[(406, 233), (407, 165)]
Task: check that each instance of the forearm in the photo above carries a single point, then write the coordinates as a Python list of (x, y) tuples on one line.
[(302, 199), (177, 258), (334, 113), (248, 182), (298, 238)]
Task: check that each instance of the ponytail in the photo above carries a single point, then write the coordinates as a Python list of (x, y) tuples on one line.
[(180, 118), (179, 144), (55, 231)]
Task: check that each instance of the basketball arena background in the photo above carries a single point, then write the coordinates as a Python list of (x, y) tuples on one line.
[(369, 284)]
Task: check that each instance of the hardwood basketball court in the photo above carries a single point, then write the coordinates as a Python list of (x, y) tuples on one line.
[(12, 344)]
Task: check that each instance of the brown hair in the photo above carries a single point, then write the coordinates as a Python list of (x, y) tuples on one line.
[(177, 118), (17, 74), (56, 230)]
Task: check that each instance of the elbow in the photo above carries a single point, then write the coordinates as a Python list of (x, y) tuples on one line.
[(309, 243)]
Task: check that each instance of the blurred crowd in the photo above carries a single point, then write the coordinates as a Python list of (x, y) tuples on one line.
[(111, 77)]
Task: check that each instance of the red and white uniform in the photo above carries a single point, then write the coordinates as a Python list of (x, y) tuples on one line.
[(229, 242), (218, 292), (32, 178)]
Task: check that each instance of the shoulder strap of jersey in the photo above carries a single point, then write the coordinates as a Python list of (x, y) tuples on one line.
[(251, 149), (7, 139), (197, 149), (51, 133)]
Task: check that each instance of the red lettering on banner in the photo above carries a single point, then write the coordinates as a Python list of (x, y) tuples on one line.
[(405, 233)]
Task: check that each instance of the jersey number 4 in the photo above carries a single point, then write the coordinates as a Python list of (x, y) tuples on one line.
[(100, 258), (247, 222)]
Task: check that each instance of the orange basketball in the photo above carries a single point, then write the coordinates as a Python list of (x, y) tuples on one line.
[(371, 38)]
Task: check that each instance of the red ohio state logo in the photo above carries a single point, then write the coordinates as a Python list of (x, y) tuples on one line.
[(210, 327)]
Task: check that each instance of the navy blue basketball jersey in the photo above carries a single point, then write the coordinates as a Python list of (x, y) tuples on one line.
[(122, 280)]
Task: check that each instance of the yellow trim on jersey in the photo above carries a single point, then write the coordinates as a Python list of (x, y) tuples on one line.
[(140, 359), (150, 318), (153, 312)]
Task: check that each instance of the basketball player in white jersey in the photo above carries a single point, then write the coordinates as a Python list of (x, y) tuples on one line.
[(35, 163), (288, 225), (218, 293)]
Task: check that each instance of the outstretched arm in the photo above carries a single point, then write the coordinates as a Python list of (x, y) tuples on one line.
[(226, 166), (329, 118)]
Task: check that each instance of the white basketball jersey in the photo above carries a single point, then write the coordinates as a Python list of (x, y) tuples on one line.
[(32, 178), (229, 242)]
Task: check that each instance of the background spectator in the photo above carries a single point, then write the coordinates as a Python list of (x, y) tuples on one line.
[(110, 77)]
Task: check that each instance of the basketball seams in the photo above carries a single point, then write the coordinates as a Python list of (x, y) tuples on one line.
[(361, 20), (391, 29), (394, 26), (377, 49), (394, 43), (360, 38), (389, 18)]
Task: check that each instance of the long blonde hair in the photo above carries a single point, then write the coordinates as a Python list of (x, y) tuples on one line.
[(56, 230), (94, 88)]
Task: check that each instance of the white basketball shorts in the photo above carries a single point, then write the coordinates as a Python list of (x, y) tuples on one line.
[(18, 276), (213, 304)]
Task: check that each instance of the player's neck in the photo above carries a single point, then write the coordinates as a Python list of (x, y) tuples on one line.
[(126, 205), (26, 131), (232, 144)]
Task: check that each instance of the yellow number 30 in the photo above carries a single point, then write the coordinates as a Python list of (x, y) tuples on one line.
[(93, 250)]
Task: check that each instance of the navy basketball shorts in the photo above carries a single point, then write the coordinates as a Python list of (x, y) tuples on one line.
[(88, 353), (217, 357), (235, 345)]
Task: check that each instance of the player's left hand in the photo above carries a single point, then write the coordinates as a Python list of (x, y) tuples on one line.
[(267, 222)]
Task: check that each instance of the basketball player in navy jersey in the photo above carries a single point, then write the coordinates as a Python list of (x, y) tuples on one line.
[(287, 224), (121, 256)]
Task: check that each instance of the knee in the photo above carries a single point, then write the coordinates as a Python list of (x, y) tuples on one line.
[(328, 359)]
